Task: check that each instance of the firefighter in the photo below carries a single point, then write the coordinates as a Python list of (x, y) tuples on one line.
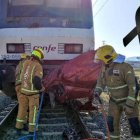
[(31, 86), (119, 78), (19, 67)]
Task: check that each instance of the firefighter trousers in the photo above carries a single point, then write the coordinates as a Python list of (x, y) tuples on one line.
[(25, 102), (18, 92), (115, 112)]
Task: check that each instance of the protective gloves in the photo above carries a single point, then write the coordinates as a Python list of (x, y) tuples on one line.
[(129, 106), (128, 110), (42, 89)]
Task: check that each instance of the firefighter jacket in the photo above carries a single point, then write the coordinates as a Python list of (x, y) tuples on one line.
[(31, 69), (120, 81), (18, 73)]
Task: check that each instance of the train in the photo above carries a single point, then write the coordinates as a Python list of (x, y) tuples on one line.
[(63, 29)]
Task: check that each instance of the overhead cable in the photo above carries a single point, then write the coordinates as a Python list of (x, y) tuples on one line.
[(101, 8), (95, 3)]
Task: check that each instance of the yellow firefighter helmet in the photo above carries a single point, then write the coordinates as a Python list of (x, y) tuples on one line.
[(23, 56), (38, 53), (106, 54)]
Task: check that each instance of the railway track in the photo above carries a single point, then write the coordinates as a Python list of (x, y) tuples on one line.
[(60, 123)]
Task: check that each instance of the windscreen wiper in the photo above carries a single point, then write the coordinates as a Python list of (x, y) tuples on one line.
[(136, 31)]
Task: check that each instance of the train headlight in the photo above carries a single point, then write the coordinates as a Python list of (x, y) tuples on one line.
[(73, 48), (15, 48)]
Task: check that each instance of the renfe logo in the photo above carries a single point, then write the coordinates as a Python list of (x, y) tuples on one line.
[(46, 48)]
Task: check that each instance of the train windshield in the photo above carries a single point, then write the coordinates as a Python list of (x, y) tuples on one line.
[(50, 13)]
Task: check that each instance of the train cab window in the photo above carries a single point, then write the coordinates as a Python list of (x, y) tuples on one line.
[(15, 48), (25, 2), (42, 8), (64, 3), (24, 8), (50, 13), (73, 48)]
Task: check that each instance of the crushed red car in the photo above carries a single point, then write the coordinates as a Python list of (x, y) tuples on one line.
[(74, 79)]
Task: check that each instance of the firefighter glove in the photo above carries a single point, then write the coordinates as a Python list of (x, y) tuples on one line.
[(128, 109), (42, 89)]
